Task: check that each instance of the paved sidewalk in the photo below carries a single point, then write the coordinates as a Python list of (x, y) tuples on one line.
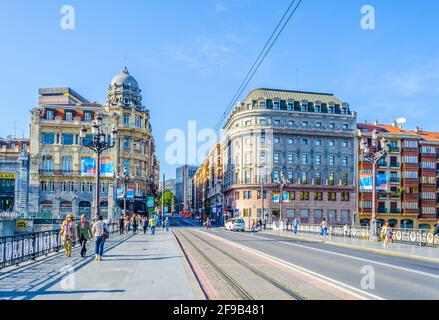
[(141, 267), (396, 249)]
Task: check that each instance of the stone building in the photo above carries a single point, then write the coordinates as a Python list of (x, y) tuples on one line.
[(184, 187), (58, 184), (14, 175), (309, 138)]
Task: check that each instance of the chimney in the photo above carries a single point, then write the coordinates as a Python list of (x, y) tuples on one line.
[(376, 122)]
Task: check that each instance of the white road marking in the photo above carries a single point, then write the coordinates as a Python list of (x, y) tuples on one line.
[(314, 275), (426, 274)]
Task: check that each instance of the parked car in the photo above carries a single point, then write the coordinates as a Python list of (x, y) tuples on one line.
[(235, 224)]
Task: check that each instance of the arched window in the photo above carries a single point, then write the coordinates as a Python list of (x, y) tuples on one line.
[(46, 208), (407, 224), (65, 208), (424, 227), (85, 208), (393, 223)]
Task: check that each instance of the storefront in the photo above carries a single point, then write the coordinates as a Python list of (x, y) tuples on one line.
[(7, 191), (135, 205)]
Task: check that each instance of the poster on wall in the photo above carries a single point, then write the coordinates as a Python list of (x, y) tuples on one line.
[(276, 197), (286, 197)]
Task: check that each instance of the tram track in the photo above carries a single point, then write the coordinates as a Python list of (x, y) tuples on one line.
[(225, 275)]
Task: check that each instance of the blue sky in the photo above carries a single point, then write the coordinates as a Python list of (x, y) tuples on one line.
[(190, 56)]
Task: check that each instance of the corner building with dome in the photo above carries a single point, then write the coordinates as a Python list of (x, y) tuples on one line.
[(57, 182)]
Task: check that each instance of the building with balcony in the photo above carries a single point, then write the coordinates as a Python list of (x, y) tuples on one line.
[(14, 175), (207, 184), (307, 137), (58, 184), (412, 166)]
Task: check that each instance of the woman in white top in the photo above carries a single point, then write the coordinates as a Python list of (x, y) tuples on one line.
[(100, 233)]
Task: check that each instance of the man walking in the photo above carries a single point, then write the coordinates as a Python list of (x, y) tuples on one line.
[(100, 233), (153, 224), (121, 225), (167, 223), (84, 234), (134, 224), (145, 224)]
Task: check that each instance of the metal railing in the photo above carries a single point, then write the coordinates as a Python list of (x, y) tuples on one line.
[(20, 248), (404, 236)]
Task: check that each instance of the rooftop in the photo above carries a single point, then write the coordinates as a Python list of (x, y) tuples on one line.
[(266, 93)]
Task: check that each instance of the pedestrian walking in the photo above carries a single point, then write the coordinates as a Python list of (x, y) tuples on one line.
[(100, 233), (127, 224), (121, 225), (153, 224), (295, 225), (145, 224), (387, 234), (346, 231), (253, 226), (207, 224), (84, 234), (68, 234), (167, 223), (324, 227), (134, 223)]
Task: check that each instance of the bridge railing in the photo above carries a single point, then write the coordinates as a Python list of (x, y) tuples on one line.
[(404, 236), (20, 248)]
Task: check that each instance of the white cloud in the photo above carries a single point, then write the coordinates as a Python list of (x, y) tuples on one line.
[(220, 7)]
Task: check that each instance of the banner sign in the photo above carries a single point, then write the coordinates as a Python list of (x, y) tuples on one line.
[(88, 167), (382, 182), (7, 175), (286, 197), (150, 202), (120, 193), (130, 193), (276, 197), (107, 168)]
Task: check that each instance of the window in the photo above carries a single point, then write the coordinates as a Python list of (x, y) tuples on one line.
[(291, 123), (345, 127), (276, 105), (410, 159), (67, 139), (304, 142), (318, 143), (410, 144), (332, 196), (67, 164), (263, 122), (262, 105), (428, 150), (305, 124), (318, 160), (345, 196), (345, 179), (304, 159), (410, 174), (248, 156), (69, 116), (126, 164), (51, 186), (43, 185), (290, 107), (87, 116), (303, 107), (331, 109), (428, 165), (345, 144), (48, 138), (63, 186), (138, 122), (304, 177), (304, 195), (331, 160), (247, 195), (318, 125), (276, 176), (290, 141), (262, 140), (318, 196), (262, 157), (332, 143), (345, 161), (318, 216), (318, 178), (332, 126), (290, 158), (126, 119), (276, 157), (344, 110), (332, 179), (318, 108), (277, 140), (49, 115), (47, 163), (277, 122), (290, 176), (127, 143)]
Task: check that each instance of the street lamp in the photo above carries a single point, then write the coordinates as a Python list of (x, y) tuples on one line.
[(373, 153), (282, 184), (98, 145), (262, 178), (126, 179)]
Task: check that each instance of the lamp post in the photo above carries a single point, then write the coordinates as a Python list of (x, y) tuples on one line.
[(126, 179), (98, 145), (282, 184), (262, 178), (373, 153)]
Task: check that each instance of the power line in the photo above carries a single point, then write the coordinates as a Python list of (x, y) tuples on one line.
[(259, 61)]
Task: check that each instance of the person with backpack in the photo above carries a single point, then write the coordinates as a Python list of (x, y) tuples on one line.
[(100, 233)]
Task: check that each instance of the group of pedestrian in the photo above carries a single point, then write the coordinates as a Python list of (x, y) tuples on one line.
[(135, 222), (84, 232)]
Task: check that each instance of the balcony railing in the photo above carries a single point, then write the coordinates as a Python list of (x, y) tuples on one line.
[(395, 180), (395, 150), (395, 211), (382, 164), (382, 210), (395, 165)]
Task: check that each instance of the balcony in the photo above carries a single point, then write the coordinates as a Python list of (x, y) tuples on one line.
[(395, 196), (395, 211), (395, 150), (382, 196), (382, 210), (59, 173), (395, 180)]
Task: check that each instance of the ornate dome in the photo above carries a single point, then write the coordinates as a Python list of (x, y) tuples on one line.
[(124, 79)]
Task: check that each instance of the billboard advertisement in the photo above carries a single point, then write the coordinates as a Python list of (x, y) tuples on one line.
[(382, 182), (88, 167), (286, 197), (107, 168), (276, 197)]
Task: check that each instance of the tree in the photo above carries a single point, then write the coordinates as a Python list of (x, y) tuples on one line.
[(169, 200)]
